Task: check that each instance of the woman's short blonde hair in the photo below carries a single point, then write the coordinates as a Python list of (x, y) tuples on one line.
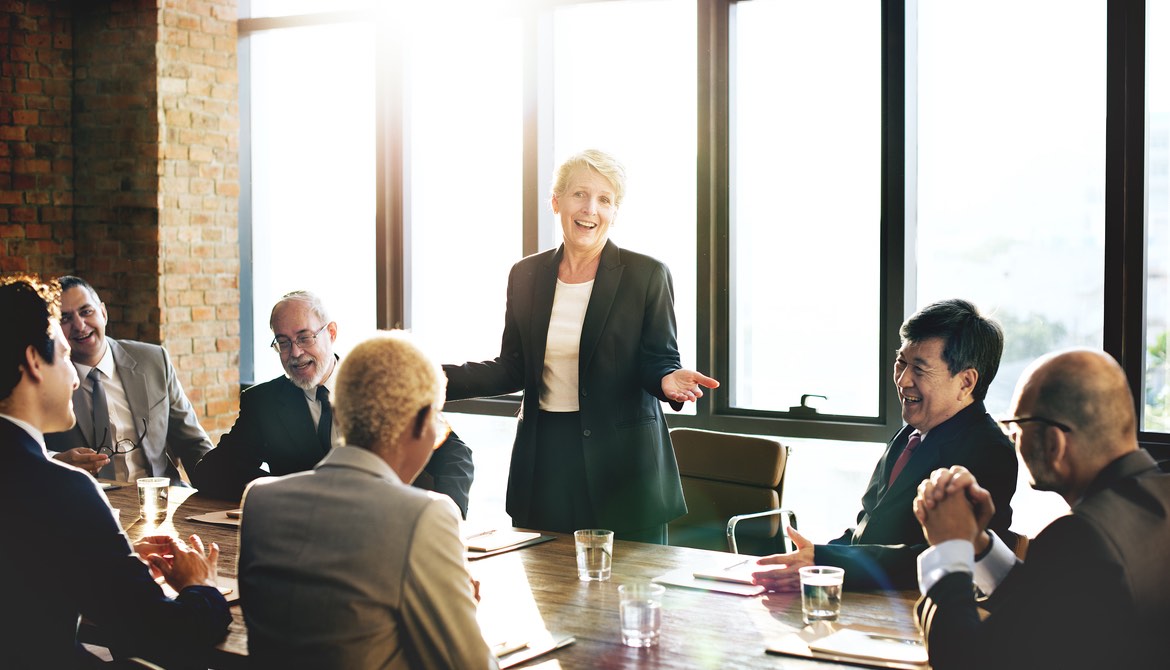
[(383, 384), (607, 165)]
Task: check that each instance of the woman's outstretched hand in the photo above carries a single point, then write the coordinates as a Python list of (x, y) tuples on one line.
[(686, 385)]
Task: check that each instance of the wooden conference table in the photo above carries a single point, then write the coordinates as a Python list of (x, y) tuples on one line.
[(537, 587)]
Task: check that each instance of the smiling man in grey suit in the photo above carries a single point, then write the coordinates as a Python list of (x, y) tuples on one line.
[(133, 419)]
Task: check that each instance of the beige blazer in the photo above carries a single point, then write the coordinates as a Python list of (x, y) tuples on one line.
[(344, 566)]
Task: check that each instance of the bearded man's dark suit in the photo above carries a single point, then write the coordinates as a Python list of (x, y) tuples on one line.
[(1094, 591), (882, 550), (66, 555), (275, 427), (628, 344)]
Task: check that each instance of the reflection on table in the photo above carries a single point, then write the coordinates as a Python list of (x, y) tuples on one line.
[(537, 589)]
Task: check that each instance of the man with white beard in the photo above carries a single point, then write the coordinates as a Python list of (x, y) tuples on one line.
[(287, 422)]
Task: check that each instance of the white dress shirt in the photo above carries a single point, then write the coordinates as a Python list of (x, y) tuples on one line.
[(959, 556), (131, 466), (315, 405)]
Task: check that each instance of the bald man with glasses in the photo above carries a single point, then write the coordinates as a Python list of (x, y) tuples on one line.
[(1094, 590), (287, 424)]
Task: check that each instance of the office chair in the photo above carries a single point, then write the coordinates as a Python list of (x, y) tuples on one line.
[(725, 475)]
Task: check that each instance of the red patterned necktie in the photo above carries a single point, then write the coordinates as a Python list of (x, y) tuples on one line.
[(904, 457)]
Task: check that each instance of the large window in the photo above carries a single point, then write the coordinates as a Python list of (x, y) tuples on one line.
[(311, 134), (464, 153), (1011, 171), (805, 261), (1157, 313)]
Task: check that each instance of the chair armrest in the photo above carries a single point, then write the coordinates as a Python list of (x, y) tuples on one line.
[(789, 521)]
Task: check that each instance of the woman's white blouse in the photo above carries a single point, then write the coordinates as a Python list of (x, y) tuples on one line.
[(561, 351)]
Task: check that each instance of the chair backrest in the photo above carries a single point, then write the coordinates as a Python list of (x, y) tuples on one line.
[(724, 474)]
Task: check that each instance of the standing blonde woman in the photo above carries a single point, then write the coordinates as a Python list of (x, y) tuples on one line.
[(590, 338)]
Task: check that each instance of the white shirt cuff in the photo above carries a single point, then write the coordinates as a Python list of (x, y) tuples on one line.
[(994, 567), (943, 559)]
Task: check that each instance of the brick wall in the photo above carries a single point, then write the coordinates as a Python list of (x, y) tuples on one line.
[(198, 197), (36, 149), (119, 163), (116, 180)]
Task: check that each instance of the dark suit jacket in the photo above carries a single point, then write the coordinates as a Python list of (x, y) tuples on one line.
[(275, 427), (627, 346), (64, 555), (882, 550), (1093, 593), (153, 390)]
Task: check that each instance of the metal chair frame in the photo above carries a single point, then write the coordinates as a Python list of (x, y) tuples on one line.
[(789, 521)]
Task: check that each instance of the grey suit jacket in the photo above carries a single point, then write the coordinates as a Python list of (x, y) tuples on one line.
[(155, 394), (344, 566)]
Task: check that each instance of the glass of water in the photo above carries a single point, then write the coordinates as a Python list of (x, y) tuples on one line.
[(820, 592), (641, 613), (594, 554), (154, 499)]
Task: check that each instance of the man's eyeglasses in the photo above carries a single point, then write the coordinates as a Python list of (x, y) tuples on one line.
[(1012, 426), (442, 428), (282, 344), (122, 446)]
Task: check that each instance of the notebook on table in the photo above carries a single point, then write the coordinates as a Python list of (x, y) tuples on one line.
[(855, 646), (491, 542), (514, 652), (737, 572), (685, 578)]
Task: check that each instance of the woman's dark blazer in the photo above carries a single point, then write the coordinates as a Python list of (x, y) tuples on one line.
[(627, 346)]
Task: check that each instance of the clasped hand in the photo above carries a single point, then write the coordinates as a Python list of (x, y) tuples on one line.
[(951, 505), (180, 564)]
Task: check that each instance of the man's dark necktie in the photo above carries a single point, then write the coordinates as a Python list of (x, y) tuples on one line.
[(325, 425), (904, 457), (101, 422)]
